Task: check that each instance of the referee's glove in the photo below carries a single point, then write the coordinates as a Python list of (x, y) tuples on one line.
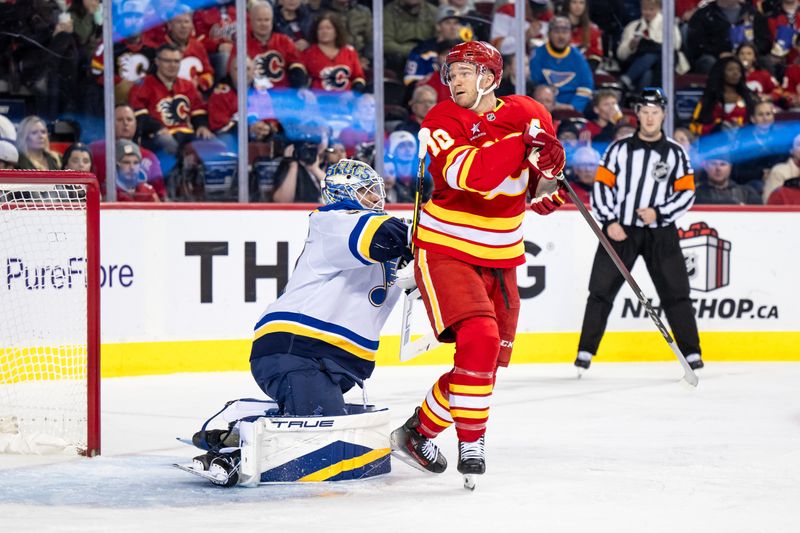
[(546, 152)]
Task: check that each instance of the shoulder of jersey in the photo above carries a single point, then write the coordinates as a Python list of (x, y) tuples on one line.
[(448, 115), (526, 102)]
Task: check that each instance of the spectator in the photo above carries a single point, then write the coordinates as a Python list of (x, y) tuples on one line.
[(584, 164), (216, 28), (423, 59), (124, 129), (133, 57), (508, 83), (640, 49), (504, 25), (606, 107), (195, 64), (476, 25), (612, 16), (276, 59), (406, 23), (758, 79), (169, 110), (623, 129), (561, 65), (294, 20), (783, 172), (87, 23), (33, 145), (434, 80), (784, 27), (402, 153), (545, 95), (586, 36), (786, 194), (358, 18), (719, 26), (422, 100), (718, 188), (568, 132), (686, 139), (223, 105), (726, 103), (363, 128), (332, 64), (299, 175), (77, 157), (132, 182), (761, 145), (791, 85), (9, 156)]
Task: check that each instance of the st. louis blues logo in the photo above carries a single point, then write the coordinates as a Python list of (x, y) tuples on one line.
[(174, 110), (557, 78), (270, 65), (335, 78)]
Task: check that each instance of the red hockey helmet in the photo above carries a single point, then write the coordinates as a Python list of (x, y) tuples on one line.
[(479, 53)]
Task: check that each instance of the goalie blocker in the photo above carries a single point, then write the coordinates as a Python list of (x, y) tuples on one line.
[(275, 448)]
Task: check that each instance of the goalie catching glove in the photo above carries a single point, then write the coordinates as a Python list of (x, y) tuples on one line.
[(547, 154)]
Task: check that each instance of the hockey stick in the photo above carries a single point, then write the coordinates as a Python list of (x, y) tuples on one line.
[(424, 136), (688, 374)]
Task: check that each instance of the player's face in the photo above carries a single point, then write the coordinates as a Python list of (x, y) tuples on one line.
[(650, 119), (124, 123), (79, 161), (463, 80), (371, 199)]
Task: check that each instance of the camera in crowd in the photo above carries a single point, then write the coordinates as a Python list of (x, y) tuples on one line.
[(306, 152)]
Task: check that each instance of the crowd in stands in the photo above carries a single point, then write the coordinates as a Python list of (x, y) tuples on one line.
[(310, 84)]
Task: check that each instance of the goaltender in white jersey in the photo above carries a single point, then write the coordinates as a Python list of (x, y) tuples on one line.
[(319, 338)]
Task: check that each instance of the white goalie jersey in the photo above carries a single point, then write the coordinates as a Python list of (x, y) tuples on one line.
[(341, 291)]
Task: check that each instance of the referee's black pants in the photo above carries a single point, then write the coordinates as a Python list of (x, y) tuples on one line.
[(664, 259)]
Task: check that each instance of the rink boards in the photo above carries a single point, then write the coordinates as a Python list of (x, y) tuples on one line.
[(183, 286)]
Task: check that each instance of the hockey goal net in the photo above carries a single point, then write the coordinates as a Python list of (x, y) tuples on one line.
[(49, 313)]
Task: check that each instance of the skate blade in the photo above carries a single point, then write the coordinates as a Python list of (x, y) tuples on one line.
[(470, 481), (205, 474), (581, 370), (410, 461)]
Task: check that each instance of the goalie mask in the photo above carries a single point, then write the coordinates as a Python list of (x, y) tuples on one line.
[(484, 56), (353, 180)]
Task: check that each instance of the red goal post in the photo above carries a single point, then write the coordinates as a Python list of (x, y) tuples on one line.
[(49, 312)]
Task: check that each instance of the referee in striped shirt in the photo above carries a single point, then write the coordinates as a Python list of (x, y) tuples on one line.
[(643, 184)]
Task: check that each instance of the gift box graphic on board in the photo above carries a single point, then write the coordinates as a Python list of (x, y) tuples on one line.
[(707, 257)]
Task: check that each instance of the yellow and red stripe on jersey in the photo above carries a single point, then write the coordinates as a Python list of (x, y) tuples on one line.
[(486, 241)]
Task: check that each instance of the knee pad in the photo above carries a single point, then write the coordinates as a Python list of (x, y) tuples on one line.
[(477, 343)]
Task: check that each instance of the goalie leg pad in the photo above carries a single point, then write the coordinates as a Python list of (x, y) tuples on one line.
[(312, 449)]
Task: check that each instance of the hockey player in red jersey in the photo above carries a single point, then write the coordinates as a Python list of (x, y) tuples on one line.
[(484, 158)]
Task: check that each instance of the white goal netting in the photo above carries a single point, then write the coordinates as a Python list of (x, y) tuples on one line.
[(43, 318)]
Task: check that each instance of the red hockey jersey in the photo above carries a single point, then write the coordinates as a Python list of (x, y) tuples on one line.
[(272, 59), (195, 65), (337, 74), (173, 107), (133, 61), (481, 176), (214, 26)]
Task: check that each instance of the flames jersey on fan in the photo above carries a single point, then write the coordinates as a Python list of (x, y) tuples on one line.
[(341, 291), (337, 74), (195, 65), (133, 61), (215, 25), (174, 108), (273, 59), (481, 175)]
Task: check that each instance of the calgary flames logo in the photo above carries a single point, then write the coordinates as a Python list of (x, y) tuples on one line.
[(132, 66), (335, 78), (269, 65), (174, 110)]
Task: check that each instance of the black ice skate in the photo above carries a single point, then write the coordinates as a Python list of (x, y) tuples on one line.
[(471, 461), (416, 450), (215, 439), (583, 362), (695, 361), (221, 469)]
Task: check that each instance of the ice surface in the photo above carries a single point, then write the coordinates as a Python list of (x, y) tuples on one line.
[(624, 449)]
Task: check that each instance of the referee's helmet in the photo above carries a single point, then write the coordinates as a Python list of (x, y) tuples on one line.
[(652, 96)]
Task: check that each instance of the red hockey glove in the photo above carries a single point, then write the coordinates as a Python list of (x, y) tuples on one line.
[(547, 197), (547, 154)]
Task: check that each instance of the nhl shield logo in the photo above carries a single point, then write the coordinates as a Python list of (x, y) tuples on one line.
[(490, 117), (660, 171)]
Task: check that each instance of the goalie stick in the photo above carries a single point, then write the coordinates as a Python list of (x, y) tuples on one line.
[(409, 297), (688, 374)]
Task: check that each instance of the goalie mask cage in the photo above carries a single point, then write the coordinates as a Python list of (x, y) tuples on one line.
[(49, 312)]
